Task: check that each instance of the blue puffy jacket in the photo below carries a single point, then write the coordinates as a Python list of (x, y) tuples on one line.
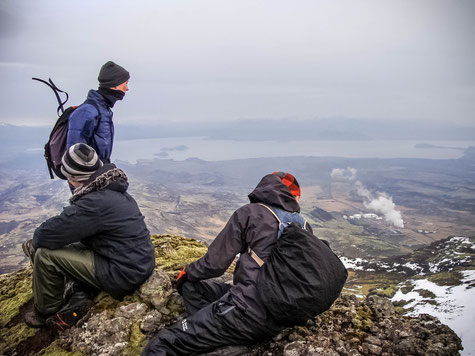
[(83, 126)]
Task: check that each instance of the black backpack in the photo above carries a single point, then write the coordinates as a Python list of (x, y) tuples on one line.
[(56, 145), (301, 278)]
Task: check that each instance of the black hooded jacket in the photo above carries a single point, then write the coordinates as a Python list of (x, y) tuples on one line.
[(251, 226), (108, 221)]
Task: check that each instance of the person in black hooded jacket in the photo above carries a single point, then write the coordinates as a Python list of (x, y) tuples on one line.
[(99, 241), (222, 314)]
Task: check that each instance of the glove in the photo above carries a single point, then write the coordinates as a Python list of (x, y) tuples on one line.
[(182, 278)]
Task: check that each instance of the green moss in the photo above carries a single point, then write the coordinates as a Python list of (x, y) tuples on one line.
[(175, 306), (10, 338), (452, 278), (362, 321), (302, 331), (129, 299), (15, 291), (105, 302), (400, 310), (424, 293), (172, 253), (54, 350), (408, 286), (387, 291), (136, 341), (380, 283)]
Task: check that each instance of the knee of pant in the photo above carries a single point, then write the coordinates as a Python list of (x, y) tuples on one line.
[(41, 254), (160, 344), (188, 287)]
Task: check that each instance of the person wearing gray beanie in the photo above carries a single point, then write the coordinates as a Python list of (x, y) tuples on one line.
[(99, 242), (79, 163), (112, 75), (91, 123)]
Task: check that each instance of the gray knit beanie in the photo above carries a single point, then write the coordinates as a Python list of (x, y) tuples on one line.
[(80, 162), (112, 75)]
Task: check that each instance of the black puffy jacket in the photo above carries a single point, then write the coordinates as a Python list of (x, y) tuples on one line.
[(109, 222), (252, 226)]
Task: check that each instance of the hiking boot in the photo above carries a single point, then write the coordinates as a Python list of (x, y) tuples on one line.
[(35, 319), (29, 250), (74, 309), (234, 350)]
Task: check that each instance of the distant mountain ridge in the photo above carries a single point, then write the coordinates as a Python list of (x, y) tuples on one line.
[(345, 129)]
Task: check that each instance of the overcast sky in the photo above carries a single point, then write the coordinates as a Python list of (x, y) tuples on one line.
[(227, 60)]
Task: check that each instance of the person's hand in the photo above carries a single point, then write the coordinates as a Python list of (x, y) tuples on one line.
[(29, 250), (182, 278)]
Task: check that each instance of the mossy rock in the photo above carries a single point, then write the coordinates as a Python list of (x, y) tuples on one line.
[(452, 278), (387, 291), (362, 322), (55, 350), (407, 287), (426, 294), (137, 341), (15, 291), (172, 253), (11, 337)]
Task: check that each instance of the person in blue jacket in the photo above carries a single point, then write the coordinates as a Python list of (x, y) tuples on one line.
[(91, 123)]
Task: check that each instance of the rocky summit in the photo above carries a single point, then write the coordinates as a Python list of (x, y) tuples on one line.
[(353, 326)]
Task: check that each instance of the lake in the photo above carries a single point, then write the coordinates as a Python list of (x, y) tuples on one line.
[(181, 148)]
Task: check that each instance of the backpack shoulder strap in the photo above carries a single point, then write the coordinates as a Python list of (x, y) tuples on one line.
[(254, 256), (251, 252), (280, 222), (272, 211)]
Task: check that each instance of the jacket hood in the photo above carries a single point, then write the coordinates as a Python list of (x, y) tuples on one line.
[(271, 190), (107, 177)]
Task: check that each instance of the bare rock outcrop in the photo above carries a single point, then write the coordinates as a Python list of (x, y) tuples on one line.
[(370, 326)]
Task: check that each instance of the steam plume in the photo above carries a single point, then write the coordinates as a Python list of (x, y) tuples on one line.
[(344, 174), (383, 203)]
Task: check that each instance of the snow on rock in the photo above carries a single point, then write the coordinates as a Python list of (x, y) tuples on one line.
[(353, 263), (452, 306)]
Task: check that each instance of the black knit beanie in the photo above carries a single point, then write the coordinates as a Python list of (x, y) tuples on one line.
[(112, 75), (79, 162)]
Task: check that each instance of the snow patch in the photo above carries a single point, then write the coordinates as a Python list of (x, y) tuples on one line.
[(353, 263), (452, 308)]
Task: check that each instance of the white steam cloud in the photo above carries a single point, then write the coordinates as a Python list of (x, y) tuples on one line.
[(344, 174), (383, 203)]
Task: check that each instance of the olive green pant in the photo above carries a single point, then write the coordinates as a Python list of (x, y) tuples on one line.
[(75, 262)]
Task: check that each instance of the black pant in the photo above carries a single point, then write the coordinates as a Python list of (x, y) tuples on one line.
[(214, 321)]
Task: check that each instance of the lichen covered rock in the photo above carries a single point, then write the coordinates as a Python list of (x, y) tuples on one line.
[(156, 290), (370, 326)]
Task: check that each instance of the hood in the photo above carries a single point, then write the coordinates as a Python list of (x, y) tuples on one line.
[(272, 191), (107, 177)]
